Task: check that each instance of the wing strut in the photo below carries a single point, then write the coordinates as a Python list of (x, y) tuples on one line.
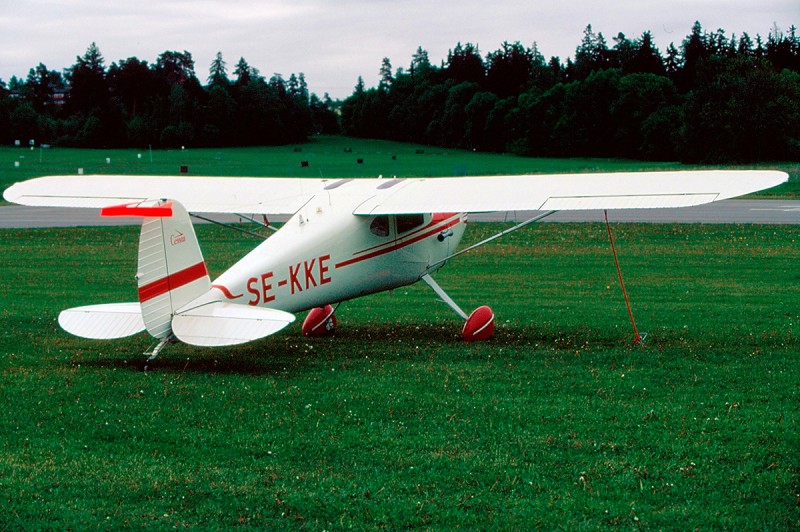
[(494, 237), (229, 226)]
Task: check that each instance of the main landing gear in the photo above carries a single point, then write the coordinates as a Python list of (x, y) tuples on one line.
[(321, 321), (479, 325)]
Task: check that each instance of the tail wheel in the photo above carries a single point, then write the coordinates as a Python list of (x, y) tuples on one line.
[(321, 321), (479, 326)]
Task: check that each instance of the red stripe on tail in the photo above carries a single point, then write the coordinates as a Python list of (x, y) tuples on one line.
[(172, 282)]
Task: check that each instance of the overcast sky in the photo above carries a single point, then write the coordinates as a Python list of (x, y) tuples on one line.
[(334, 42)]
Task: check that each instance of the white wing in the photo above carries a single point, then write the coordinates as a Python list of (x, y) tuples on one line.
[(268, 195), (397, 196), (644, 190)]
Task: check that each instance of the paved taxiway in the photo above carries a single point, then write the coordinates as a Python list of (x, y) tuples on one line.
[(729, 211)]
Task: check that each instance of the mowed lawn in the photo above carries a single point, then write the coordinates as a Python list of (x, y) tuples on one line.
[(557, 422)]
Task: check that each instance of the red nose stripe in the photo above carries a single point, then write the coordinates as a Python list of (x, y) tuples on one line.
[(171, 282)]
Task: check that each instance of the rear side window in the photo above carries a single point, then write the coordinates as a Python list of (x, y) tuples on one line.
[(407, 222)]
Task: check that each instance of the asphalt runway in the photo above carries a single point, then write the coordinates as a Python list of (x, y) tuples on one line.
[(728, 211)]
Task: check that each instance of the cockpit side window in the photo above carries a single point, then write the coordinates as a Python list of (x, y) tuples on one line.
[(407, 222), (380, 226)]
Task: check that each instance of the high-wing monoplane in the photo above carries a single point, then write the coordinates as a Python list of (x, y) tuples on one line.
[(345, 238)]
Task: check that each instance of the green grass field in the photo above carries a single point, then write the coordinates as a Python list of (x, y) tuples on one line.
[(557, 422)]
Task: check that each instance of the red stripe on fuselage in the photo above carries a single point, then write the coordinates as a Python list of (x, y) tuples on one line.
[(406, 241), (227, 293), (172, 282)]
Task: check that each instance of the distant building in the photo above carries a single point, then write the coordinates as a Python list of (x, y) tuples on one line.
[(58, 95)]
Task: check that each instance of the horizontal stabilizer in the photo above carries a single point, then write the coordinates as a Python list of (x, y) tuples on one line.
[(103, 322), (221, 323)]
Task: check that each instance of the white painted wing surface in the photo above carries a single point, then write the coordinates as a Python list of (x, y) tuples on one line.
[(278, 195), (221, 323), (645, 190), (268, 195), (103, 322)]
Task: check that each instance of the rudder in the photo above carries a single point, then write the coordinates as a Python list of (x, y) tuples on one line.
[(171, 270)]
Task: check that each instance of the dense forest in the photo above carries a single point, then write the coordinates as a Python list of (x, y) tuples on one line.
[(713, 98), (134, 104)]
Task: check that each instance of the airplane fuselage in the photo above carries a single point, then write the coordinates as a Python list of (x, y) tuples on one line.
[(325, 255)]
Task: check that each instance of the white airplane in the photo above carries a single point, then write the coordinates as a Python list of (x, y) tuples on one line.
[(345, 238)]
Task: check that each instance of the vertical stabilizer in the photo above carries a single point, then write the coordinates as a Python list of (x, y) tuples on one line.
[(171, 270)]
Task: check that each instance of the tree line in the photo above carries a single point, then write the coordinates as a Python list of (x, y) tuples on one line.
[(136, 104), (712, 99)]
